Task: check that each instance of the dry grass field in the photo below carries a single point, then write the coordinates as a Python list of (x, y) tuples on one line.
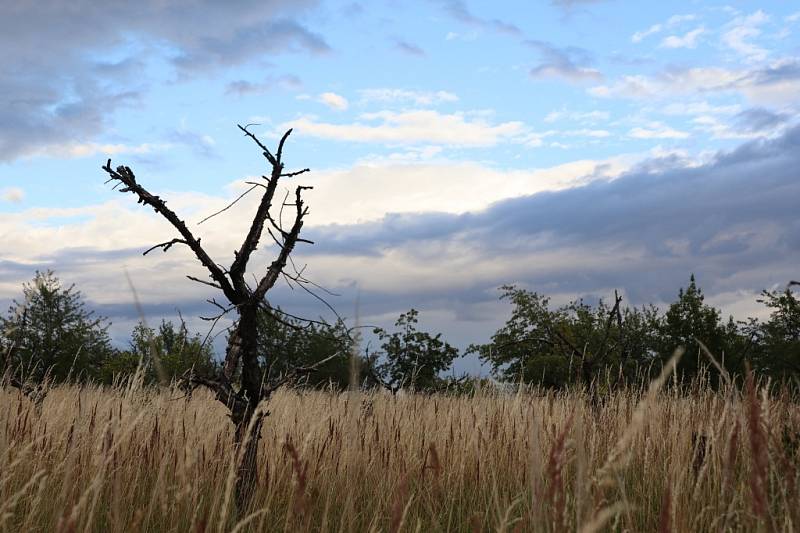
[(128, 459)]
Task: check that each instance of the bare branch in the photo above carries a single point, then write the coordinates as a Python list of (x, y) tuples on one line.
[(125, 176), (204, 282), (224, 392), (257, 226), (271, 310), (231, 204), (286, 322), (224, 310), (295, 373), (297, 173), (261, 145), (277, 266), (280, 144), (280, 212), (166, 245)]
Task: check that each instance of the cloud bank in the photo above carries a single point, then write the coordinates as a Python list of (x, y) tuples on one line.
[(731, 220)]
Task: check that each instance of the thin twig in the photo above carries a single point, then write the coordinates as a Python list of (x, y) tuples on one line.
[(230, 204)]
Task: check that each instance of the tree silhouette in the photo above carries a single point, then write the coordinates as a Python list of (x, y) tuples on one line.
[(240, 384)]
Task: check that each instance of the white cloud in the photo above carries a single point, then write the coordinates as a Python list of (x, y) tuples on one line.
[(14, 195), (94, 244), (468, 37), (577, 116), (640, 35), (695, 108), (586, 132), (689, 40), (794, 17), (422, 98), (411, 127), (674, 20), (671, 83), (657, 130), (677, 19), (367, 191), (76, 149), (446, 186), (569, 72), (772, 84), (741, 33), (334, 101)]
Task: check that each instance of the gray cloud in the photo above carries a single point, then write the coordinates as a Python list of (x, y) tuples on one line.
[(408, 48), (788, 70), (247, 42), (732, 221), (54, 91), (352, 10), (244, 87), (759, 119), (571, 62), (458, 10), (569, 4)]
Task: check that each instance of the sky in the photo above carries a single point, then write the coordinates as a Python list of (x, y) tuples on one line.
[(570, 147)]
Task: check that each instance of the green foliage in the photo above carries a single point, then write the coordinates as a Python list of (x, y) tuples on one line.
[(572, 343), (413, 358), (776, 343), (690, 318), (285, 343), (51, 333), (165, 354), (576, 343)]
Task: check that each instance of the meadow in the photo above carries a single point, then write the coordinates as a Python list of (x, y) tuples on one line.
[(130, 458)]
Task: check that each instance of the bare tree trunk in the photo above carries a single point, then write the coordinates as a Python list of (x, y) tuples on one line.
[(247, 469), (243, 345)]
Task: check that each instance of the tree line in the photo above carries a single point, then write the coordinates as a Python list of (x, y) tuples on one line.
[(50, 335)]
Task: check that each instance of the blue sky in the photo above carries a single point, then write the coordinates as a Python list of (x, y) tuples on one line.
[(572, 147)]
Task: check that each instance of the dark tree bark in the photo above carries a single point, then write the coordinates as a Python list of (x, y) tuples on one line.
[(239, 385)]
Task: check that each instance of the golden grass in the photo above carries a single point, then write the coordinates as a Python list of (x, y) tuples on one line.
[(135, 460)]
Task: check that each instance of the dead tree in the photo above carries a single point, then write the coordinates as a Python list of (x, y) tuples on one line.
[(240, 384)]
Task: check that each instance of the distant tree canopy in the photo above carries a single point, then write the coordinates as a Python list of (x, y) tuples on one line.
[(288, 343), (51, 333), (569, 344), (412, 358), (165, 354), (775, 345), (577, 342)]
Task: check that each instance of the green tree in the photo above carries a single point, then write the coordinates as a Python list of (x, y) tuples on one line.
[(286, 343), (51, 333), (165, 354), (574, 343), (412, 358), (777, 346), (689, 319), (525, 347)]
